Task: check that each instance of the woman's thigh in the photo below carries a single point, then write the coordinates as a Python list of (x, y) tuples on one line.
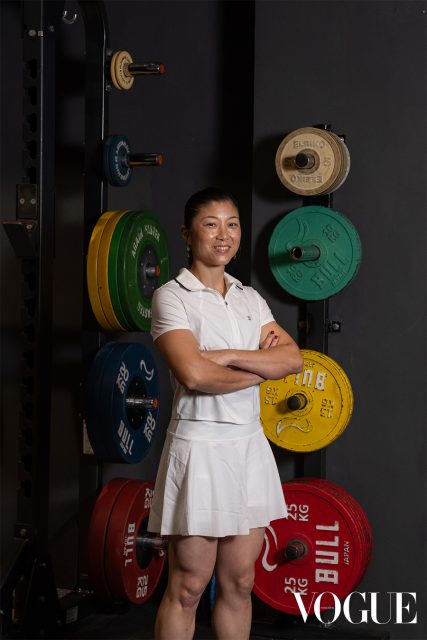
[(236, 557), (191, 561)]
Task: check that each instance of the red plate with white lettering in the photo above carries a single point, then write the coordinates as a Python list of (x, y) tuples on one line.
[(364, 528), (97, 535), (325, 536), (132, 571)]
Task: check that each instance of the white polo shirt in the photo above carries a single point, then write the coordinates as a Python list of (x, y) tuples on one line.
[(233, 322)]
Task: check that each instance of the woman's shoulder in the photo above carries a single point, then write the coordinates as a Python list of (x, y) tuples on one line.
[(168, 289)]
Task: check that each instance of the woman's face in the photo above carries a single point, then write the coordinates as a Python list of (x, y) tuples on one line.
[(215, 234)]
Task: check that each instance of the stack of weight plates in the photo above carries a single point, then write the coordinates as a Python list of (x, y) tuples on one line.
[(332, 529), (127, 260), (119, 566), (308, 410), (121, 402), (312, 161)]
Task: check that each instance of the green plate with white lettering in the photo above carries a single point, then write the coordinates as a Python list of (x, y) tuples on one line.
[(314, 252), (142, 266)]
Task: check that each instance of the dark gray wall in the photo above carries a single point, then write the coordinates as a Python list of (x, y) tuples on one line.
[(218, 120), (361, 66)]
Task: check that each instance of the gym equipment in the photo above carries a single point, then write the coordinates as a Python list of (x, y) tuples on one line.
[(118, 161), (92, 271), (309, 410), (124, 561), (121, 402), (325, 545), (127, 260), (142, 266), (314, 252), (123, 70), (113, 318), (312, 161)]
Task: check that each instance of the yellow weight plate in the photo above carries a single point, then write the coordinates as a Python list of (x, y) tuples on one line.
[(308, 161), (120, 76), (309, 410), (92, 270), (102, 270)]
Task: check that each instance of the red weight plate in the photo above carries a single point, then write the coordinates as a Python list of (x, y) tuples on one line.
[(363, 526), (334, 551), (97, 536), (132, 573), (363, 529)]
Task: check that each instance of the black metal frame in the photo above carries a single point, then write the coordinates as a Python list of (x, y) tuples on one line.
[(95, 203), (29, 597), (30, 605), (314, 327)]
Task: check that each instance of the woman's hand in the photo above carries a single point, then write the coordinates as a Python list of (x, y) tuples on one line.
[(270, 340)]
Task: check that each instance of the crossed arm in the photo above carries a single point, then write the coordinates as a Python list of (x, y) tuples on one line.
[(227, 370)]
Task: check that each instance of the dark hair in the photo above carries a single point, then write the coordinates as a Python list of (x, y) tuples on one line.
[(203, 197)]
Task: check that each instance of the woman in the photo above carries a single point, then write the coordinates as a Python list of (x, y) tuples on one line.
[(217, 485)]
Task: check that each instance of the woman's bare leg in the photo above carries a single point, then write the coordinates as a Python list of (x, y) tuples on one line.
[(234, 576), (191, 564)]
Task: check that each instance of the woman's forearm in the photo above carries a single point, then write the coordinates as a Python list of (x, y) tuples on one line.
[(274, 363), (208, 376)]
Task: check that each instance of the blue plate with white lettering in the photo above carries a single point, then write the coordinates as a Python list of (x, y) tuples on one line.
[(142, 266), (92, 398), (122, 418)]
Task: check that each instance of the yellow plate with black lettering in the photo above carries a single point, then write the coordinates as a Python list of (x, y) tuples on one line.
[(102, 270), (92, 270), (309, 410)]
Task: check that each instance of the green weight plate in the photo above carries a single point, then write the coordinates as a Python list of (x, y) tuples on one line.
[(314, 252), (143, 265), (113, 271)]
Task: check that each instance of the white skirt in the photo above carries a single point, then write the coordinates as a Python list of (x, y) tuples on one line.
[(215, 480)]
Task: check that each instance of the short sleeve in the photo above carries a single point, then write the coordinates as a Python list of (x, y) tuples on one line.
[(167, 312), (264, 311)]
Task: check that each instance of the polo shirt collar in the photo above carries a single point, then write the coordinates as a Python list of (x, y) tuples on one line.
[(190, 282)]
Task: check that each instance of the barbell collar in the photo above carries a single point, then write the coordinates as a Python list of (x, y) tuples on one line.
[(297, 401), (156, 543), (305, 160), (305, 254), (144, 159), (152, 272), (295, 550), (145, 69), (138, 402)]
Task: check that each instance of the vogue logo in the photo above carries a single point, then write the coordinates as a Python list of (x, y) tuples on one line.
[(402, 601)]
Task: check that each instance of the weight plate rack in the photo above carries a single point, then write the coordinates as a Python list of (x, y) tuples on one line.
[(314, 327)]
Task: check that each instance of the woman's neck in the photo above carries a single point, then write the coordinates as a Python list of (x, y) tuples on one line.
[(211, 277)]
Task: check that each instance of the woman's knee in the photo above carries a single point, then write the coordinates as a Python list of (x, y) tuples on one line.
[(239, 584), (189, 590)]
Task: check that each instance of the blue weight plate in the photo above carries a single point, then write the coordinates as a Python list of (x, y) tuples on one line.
[(115, 153), (127, 429), (93, 399)]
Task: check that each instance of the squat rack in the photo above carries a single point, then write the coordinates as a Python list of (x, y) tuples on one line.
[(29, 598)]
